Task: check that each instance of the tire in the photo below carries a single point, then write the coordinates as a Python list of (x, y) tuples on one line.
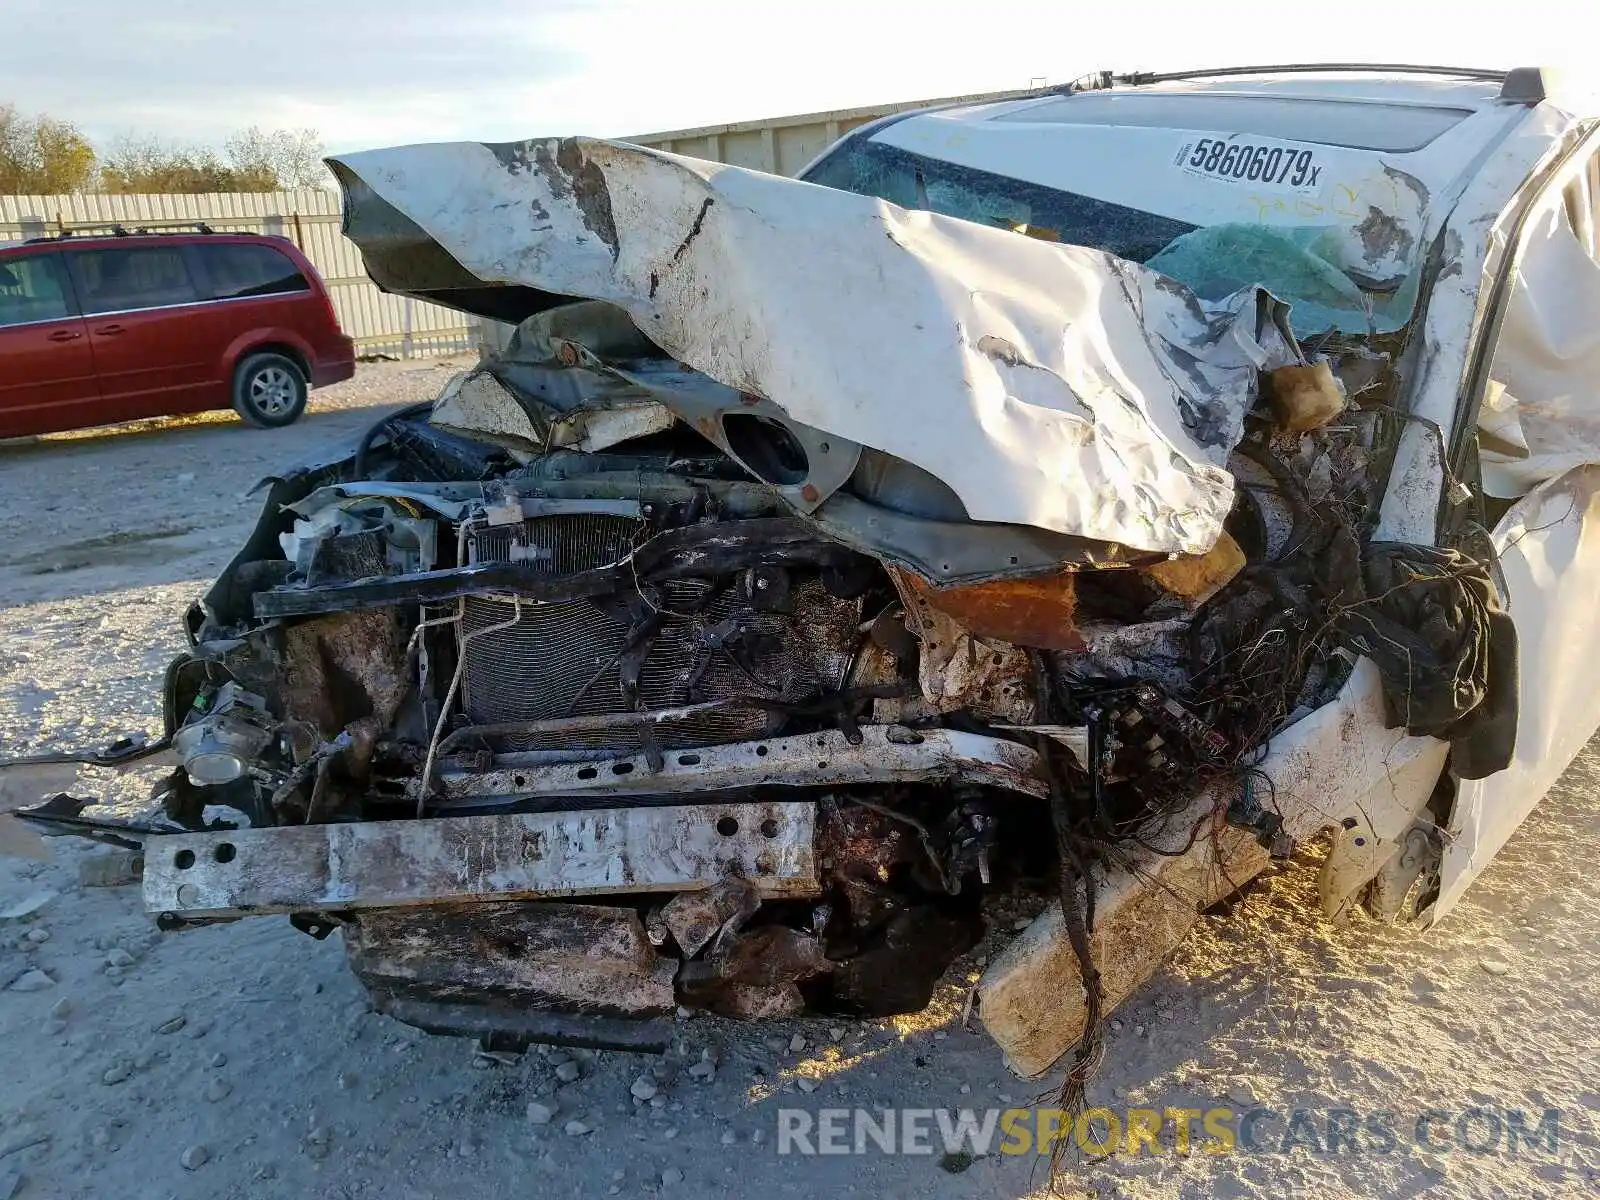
[(269, 390)]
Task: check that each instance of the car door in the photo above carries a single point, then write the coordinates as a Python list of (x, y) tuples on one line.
[(258, 294), (47, 377), (1539, 444), (147, 329)]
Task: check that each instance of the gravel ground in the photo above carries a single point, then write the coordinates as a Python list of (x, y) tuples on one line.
[(242, 1061)]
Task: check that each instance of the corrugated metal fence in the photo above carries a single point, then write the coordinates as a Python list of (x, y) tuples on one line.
[(384, 324), (784, 145), (380, 323)]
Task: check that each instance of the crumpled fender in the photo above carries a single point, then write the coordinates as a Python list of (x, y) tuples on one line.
[(1048, 385)]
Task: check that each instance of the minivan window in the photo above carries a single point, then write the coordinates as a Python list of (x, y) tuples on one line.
[(32, 290), (237, 270), (120, 280)]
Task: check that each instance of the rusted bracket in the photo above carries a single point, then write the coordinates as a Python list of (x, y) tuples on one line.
[(885, 754), (392, 864)]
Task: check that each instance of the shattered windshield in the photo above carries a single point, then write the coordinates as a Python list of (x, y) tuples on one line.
[(914, 181), (1309, 266)]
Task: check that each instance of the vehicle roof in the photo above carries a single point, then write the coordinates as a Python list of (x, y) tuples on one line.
[(1372, 86), (1401, 141), (136, 240)]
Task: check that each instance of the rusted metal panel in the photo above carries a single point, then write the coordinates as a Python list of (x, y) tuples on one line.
[(390, 864), (1038, 611), (579, 958)]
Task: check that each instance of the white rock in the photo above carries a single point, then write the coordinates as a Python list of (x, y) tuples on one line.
[(576, 1128), (729, 1137), (27, 906), (33, 981), (797, 1043), (643, 1088), (836, 1032), (1495, 966), (702, 1070), (118, 957), (194, 1158), (171, 1023), (671, 1176), (116, 1073), (539, 1114), (38, 936), (807, 1085), (568, 1072)]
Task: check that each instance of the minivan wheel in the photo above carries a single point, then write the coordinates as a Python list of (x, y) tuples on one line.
[(269, 390)]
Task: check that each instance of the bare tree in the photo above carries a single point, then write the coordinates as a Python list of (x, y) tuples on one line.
[(292, 157), (41, 155)]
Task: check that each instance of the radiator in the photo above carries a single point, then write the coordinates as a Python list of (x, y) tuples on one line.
[(561, 660)]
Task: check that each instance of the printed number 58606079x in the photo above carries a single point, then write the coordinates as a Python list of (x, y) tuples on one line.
[(1243, 162)]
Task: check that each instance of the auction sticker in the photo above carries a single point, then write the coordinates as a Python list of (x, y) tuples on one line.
[(1239, 159)]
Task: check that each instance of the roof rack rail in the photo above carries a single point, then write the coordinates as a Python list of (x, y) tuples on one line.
[(1100, 80), (118, 229)]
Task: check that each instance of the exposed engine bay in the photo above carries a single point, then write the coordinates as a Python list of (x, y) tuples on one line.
[(601, 685)]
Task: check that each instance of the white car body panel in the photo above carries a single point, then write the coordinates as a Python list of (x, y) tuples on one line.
[(1549, 553), (1047, 385)]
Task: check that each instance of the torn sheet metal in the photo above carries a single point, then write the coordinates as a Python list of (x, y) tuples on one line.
[(1037, 611), (1339, 763), (1048, 385), (477, 404), (1541, 412), (390, 864)]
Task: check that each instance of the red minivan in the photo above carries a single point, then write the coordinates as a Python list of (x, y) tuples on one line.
[(104, 328)]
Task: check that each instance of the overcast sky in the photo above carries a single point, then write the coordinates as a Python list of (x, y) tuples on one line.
[(381, 72)]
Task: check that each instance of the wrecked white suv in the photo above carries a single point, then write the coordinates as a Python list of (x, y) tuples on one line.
[(1096, 492)]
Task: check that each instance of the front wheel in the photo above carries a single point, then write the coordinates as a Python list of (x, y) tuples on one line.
[(269, 390)]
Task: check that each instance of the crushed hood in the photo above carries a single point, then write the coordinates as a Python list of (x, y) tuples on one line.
[(1047, 385)]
